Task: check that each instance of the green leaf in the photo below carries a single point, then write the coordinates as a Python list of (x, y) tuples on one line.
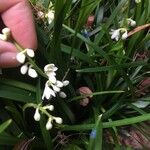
[(122, 122), (95, 142), (4, 125)]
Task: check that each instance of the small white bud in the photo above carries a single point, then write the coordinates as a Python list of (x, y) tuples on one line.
[(30, 52), (24, 69), (6, 32), (124, 35), (49, 124), (59, 84), (58, 120), (133, 23), (32, 73), (37, 115), (65, 83), (3, 37), (21, 57), (50, 107), (62, 95)]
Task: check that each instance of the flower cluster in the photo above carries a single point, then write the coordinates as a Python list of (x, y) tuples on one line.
[(26, 68), (116, 34), (122, 32), (53, 86), (51, 118), (5, 34)]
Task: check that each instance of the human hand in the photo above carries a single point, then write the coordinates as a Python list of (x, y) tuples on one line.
[(17, 16)]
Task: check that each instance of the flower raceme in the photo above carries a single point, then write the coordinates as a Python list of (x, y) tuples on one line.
[(52, 85)]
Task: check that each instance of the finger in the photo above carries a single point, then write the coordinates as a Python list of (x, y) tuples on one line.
[(7, 55), (18, 17)]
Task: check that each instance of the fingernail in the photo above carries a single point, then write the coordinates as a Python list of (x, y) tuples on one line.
[(8, 59)]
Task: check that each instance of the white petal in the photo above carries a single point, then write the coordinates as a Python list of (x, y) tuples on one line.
[(52, 78), (30, 52), (21, 57), (32, 73), (55, 88), (115, 34), (24, 69), (37, 115), (65, 83), (6, 31), (62, 95), (3, 37)]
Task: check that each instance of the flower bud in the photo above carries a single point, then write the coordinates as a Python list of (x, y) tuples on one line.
[(65, 83), (24, 69), (58, 120), (49, 124), (62, 95), (30, 52), (21, 57), (124, 36), (32, 73), (37, 115), (3, 37), (6, 32), (50, 107)]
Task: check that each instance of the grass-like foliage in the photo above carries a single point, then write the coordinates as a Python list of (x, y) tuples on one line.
[(107, 103)]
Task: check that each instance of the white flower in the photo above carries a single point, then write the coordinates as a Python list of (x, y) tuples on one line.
[(115, 34), (65, 83), (50, 16), (58, 120), (49, 124), (21, 57), (24, 69), (50, 68), (62, 95), (30, 52), (6, 32), (37, 115), (48, 92), (124, 35), (32, 73)]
